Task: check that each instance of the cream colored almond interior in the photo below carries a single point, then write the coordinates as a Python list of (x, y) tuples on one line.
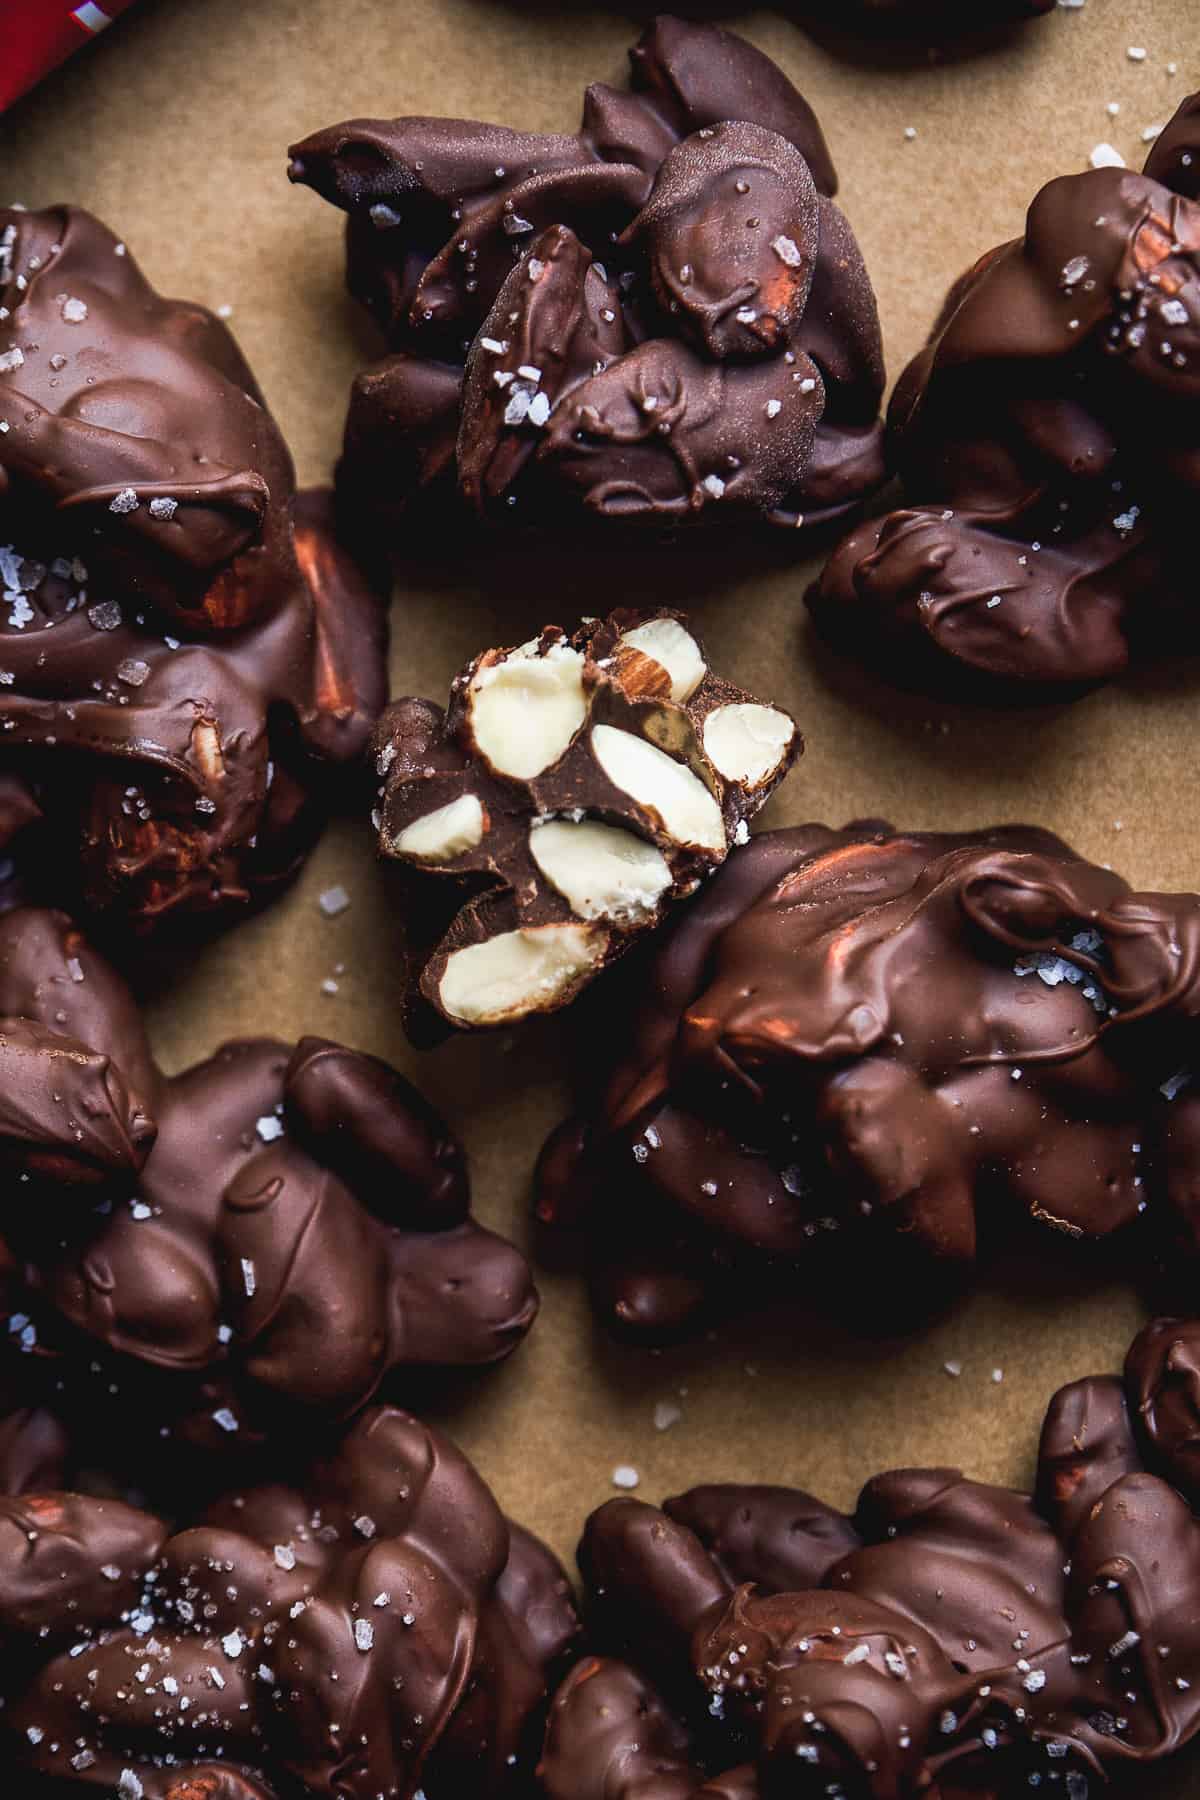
[(747, 743), (676, 649), (688, 811), (518, 972), (526, 709), (601, 871), (444, 834)]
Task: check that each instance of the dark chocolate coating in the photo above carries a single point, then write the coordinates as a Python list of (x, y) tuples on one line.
[(188, 653), (946, 17), (367, 1625), (959, 1640), (500, 885), (264, 1239), (854, 1046), (1047, 436), (661, 320)]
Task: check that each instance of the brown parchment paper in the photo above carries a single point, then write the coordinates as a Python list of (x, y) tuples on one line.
[(174, 127)]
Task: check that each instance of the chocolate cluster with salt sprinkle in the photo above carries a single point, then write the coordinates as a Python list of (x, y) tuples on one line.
[(574, 792), (660, 321), (368, 1624), (947, 1639), (260, 1243), (187, 656), (863, 1061), (1047, 437)]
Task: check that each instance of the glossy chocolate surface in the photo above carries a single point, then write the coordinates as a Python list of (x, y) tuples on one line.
[(661, 320), (367, 1624), (868, 1058), (186, 653), (239, 1252), (949, 1639), (1047, 439)]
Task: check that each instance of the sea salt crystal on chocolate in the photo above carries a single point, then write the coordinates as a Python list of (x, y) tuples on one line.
[(104, 617), (225, 1419), (625, 1476), (164, 507), (787, 252), (132, 671), (285, 1556), (74, 311), (333, 901), (384, 217), (124, 502), (364, 1634), (269, 1127), (11, 360)]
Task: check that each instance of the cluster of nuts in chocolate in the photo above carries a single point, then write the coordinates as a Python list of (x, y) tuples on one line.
[(1047, 436), (575, 789), (186, 653), (267, 1239), (368, 1624), (888, 1051), (661, 319), (950, 1639)]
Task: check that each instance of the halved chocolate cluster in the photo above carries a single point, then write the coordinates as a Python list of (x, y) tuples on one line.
[(186, 653), (662, 319), (576, 788)]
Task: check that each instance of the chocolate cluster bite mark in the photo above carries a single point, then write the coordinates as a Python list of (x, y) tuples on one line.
[(662, 319), (368, 1625), (186, 653), (855, 1049), (949, 1639), (264, 1240), (576, 788), (1047, 435)]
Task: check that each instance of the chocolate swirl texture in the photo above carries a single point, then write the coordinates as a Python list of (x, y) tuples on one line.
[(663, 319), (368, 1624), (854, 1047), (260, 1242), (186, 653), (1048, 438), (949, 1639)]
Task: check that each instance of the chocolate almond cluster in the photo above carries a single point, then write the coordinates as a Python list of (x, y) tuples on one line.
[(186, 654), (950, 1639), (258, 1243), (1047, 436), (575, 789), (368, 1624), (875, 1055), (661, 320)]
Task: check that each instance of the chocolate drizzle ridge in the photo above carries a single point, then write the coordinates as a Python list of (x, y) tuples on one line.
[(367, 1624), (871, 1058), (948, 1639), (661, 320), (1047, 436), (187, 655), (258, 1244)]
